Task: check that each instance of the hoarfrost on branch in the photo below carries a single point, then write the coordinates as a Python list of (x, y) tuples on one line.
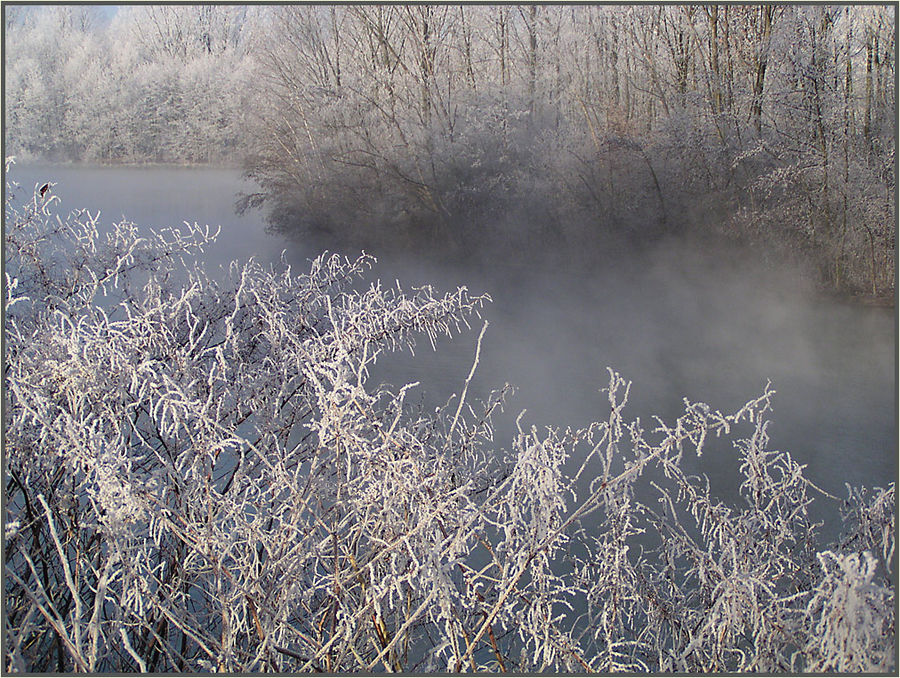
[(200, 476)]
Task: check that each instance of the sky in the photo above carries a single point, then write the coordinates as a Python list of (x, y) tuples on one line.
[(104, 12)]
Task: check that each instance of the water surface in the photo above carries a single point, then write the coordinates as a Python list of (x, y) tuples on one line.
[(676, 321)]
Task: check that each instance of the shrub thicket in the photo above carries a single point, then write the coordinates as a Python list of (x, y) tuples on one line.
[(200, 477)]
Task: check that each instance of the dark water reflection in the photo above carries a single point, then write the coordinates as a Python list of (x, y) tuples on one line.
[(676, 321)]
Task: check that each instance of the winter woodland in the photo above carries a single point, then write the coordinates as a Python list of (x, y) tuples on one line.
[(200, 477), (200, 474), (480, 125)]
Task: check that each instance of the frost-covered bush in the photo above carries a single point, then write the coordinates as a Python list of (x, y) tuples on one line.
[(200, 476)]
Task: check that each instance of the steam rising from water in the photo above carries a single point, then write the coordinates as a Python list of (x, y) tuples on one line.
[(708, 324), (678, 319)]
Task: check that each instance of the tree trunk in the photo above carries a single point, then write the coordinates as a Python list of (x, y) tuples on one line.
[(712, 13), (467, 46), (531, 24), (427, 62), (766, 15), (502, 31), (867, 111)]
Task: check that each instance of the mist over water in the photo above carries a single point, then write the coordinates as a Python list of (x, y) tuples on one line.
[(677, 319), (684, 324)]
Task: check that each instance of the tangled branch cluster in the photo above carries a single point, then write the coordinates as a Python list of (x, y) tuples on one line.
[(200, 477)]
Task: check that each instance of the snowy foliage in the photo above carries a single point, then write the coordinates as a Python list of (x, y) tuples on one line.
[(157, 84), (200, 477), (407, 125), (507, 125)]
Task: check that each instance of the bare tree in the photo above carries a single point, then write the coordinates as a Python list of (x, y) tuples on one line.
[(201, 477)]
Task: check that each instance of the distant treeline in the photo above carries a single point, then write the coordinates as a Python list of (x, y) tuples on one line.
[(153, 84), (480, 126)]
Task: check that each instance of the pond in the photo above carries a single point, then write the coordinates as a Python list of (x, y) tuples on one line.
[(676, 321)]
